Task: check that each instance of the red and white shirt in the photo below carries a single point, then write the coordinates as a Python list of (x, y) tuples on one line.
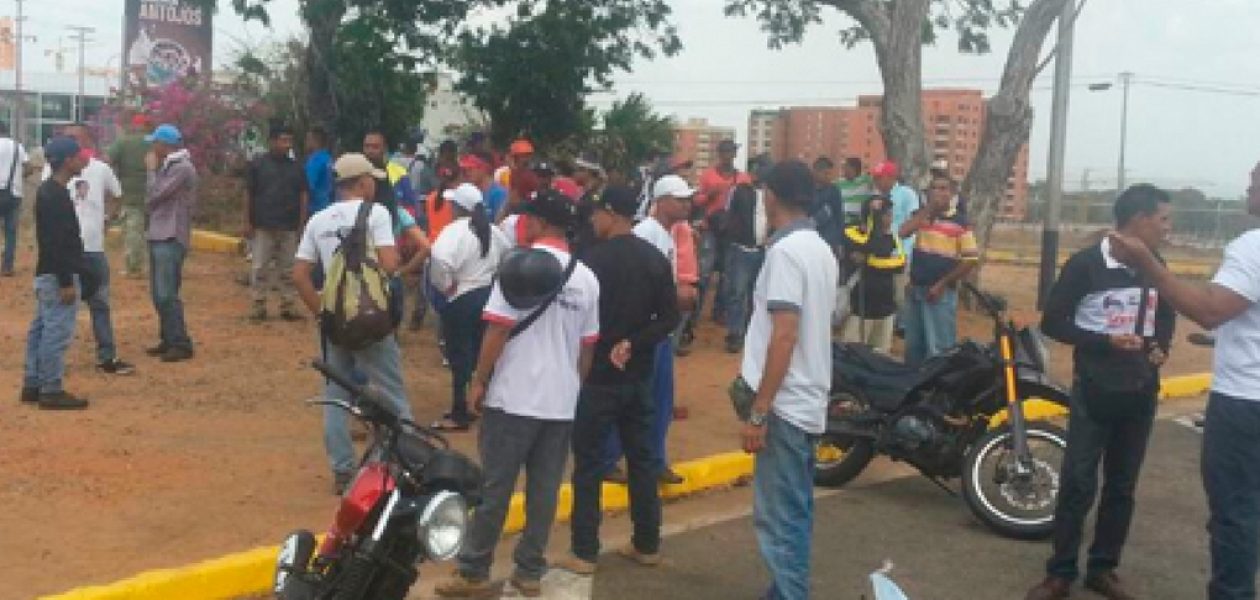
[(537, 374)]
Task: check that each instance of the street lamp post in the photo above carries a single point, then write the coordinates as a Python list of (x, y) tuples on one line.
[(1126, 79), (1058, 150)]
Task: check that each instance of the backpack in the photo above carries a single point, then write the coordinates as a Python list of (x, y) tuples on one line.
[(355, 300)]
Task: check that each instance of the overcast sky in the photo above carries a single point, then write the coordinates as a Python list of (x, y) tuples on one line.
[(1177, 137)]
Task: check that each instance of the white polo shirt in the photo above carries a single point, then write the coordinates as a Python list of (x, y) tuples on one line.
[(322, 236), (1236, 362), (457, 260), (651, 231), (800, 275), (9, 146), (537, 374)]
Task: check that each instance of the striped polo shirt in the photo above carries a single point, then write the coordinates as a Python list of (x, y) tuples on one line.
[(940, 247)]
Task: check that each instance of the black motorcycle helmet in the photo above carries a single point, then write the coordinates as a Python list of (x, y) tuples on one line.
[(528, 276)]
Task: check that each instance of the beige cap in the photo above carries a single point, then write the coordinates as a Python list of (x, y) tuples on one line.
[(354, 164)]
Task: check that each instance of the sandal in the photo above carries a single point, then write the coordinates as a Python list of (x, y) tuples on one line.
[(450, 426)]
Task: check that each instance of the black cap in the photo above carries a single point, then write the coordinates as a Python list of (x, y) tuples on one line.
[(552, 207), (727, 146), (618, 199), (544, 168)]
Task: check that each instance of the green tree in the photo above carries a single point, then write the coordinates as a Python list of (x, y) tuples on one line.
[(898, 29), (632, 133), (532, 75)]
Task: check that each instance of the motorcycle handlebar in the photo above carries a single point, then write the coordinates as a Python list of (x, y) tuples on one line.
[(364, 393), (992, 305)]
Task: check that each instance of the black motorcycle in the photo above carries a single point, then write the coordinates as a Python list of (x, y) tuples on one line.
[(408, 504), (946, 420)]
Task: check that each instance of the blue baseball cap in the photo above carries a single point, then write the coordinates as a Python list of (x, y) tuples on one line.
[(167, 134), (60, 148)]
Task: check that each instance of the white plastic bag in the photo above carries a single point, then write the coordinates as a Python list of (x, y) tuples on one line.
[(885, 589)]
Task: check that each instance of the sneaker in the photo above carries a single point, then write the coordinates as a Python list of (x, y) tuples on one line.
[(157, 350), (529, 588), (642, 559), (573, 564), (61, 401), (616, 475), (669, 477), (1053, 588), (341, 481), (459, 586), (176, 354), (1107, 585), (29, 395), (115, 366)]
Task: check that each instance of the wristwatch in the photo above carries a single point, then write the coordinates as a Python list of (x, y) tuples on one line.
[(758, 419)]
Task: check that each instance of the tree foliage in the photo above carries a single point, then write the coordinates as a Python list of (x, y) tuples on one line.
[(632, 133), (532, 74)]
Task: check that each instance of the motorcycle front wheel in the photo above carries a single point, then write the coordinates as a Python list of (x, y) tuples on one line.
[(1014, 502)]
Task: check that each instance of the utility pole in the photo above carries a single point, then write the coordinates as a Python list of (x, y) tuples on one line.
[(1058, 149), (1125, 79), (1082, 203), (80, 35), (19, 105)]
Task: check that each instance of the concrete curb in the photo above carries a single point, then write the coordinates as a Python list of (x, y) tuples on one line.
[(249, 573)]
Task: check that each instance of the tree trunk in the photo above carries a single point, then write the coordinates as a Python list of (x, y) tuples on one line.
[(322, 17), (1008, 119), (896, 30)]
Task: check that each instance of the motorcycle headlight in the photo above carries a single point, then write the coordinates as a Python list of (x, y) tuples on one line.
[(443, 525)]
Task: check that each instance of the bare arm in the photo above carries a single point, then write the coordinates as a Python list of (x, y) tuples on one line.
[(1208, 304), (387, 256), (305, 285), (783, 336), (416, 264), (585, 358), (959, 273), (305, 210), (492, 344)]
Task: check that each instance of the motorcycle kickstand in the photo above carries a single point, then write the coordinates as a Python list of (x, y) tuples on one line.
[(941, 484)]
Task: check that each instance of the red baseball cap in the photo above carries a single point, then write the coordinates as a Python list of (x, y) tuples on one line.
[(568, 187), (472, 161), (521, 147), (885, 168)]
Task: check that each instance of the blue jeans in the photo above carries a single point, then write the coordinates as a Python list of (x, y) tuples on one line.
[(382, 364), (462, 328), (1231, 478), (930, 327), (603, 410), (1120, 446), (662, 386), (742, 266), (706, 263), (783, 507), (166, 275), (10, 218), (98, 306), (49, 336)]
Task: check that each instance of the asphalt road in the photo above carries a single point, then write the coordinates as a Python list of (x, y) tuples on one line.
[(940, 552)]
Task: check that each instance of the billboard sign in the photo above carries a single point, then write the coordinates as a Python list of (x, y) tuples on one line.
[(165, 40)]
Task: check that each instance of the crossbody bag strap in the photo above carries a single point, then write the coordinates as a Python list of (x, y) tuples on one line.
[(551, 298), (1140, 322), (9, 183)]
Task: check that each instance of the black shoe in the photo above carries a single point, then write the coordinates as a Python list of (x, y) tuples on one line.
[(176, 354), (116, 367), (291, 316), (341, 481), (157, 350), (616, 475), (668, 476), (29, 395), (61, 401)]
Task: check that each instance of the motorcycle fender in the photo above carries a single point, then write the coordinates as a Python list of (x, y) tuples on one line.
[(1041, 401), (848, 427)]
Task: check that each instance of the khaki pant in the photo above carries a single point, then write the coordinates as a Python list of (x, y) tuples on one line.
[(134, 247), (273, 252), (879, 332)]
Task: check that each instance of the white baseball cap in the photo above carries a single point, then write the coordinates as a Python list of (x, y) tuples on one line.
[(466, 196), (672, 186)]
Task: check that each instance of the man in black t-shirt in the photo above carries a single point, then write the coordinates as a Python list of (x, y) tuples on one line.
[(638, 308)]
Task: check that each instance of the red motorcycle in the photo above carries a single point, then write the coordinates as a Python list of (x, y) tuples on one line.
[(408, 504)]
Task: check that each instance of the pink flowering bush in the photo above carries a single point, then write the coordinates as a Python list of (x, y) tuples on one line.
[(213, 121)]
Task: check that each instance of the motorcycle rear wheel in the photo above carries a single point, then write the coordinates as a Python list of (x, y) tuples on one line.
[(994, 500), (840, 458)]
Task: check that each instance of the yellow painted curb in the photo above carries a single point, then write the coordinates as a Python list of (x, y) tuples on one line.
[(249, 573), (209, 241), (1181, 386)]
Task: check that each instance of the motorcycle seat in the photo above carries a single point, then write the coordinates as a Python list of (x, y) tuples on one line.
[(883, 380), (868, 359)]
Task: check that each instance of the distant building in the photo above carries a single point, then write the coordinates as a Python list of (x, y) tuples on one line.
[(697, 140), (51, 101), (7, 48), (446, 111), (953, 121)]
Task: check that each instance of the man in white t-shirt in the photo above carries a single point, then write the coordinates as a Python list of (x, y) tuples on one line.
[(787, 366), (13, 159), (671, 205), (96, 194), (526, 387), (380, 362), (1229, 305)]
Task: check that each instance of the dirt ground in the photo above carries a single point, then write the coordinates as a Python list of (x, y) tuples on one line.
[(185, 462)]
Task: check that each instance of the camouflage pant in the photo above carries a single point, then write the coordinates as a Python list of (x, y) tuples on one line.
[(134, 247)]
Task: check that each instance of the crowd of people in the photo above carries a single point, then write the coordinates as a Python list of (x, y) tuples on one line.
[(564, 292)]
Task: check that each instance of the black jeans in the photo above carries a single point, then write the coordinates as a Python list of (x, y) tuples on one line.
[(1231, 478), (629, 410), (462, 328), (1121, 447)]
